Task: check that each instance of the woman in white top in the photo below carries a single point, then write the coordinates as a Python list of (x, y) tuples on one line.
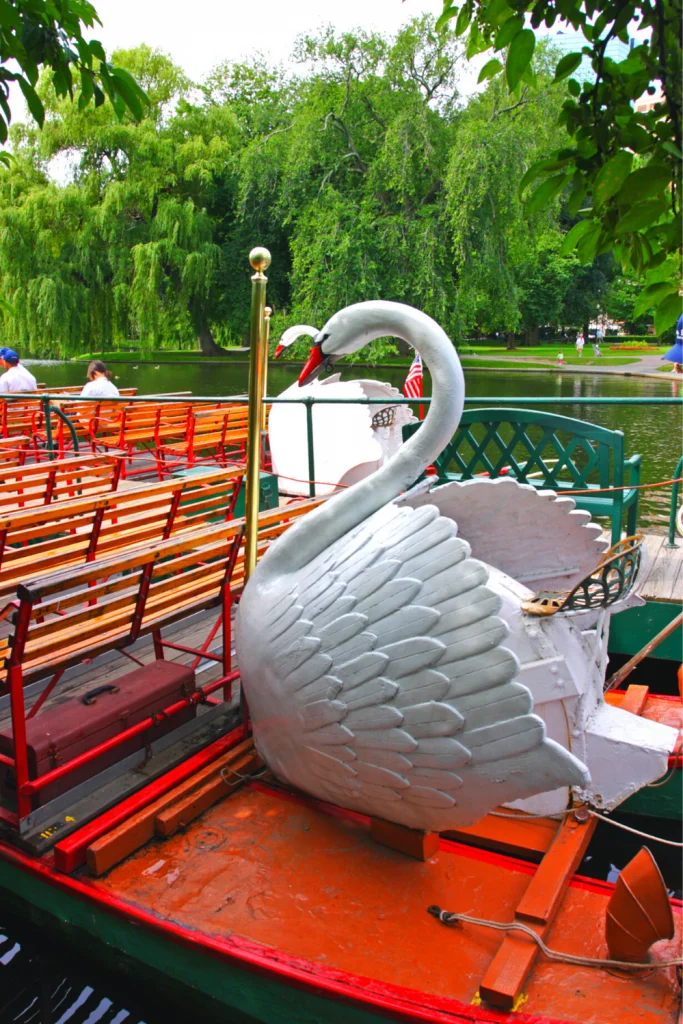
[(99, 382)]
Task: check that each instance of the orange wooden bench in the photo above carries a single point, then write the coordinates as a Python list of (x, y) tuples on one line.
[(36, 541), (213, 435), (79, 613), (42, 483)]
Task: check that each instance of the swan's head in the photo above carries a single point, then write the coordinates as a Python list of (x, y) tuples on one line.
[(291, 335), (347, 331)]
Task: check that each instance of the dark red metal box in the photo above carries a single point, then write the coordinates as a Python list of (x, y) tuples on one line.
[(65, 730)]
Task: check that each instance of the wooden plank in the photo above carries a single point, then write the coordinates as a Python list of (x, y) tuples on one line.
[(516, 835), (139, 828), (634, 699), (660, 581), (221, 783), (509, 969), (652, 543)]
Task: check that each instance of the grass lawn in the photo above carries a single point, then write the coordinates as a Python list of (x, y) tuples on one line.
[(514, 362), (550, 351)]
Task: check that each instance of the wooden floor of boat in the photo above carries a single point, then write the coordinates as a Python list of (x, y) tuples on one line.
[(272, 868), (663, 580)]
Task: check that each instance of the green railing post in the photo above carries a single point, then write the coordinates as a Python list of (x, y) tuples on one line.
[(674, 502), (309, 440), (45, 402), (65, 419)]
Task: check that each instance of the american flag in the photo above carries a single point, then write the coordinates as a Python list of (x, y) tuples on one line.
[(413, 385)]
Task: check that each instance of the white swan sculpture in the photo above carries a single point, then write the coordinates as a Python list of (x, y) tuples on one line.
[(372, 651), (351, 441)]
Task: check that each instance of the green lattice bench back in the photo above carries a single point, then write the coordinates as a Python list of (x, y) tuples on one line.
[(546, 451)]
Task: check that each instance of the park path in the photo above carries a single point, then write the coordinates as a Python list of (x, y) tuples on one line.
[(649, 366)]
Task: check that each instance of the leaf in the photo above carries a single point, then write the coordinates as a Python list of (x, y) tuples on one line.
[(642, 184), (667, 313), (133, 96), (652, 296), (546, 192), (611, 177), (577, 197), (32, 100), (491, 68), (446, 15), (567, 65), (588, 243), (519, 56), (573, 236), (640, 216), (463, 20), (508, 31)]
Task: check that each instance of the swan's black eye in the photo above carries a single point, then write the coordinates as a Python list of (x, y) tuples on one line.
[(324, 338)]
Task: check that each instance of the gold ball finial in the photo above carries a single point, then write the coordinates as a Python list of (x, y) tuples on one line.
[(259, 258)]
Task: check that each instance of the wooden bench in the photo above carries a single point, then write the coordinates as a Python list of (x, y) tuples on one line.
[(40, 540), (13, 451), (213, 434), (549, 452), (80, 613), (43, 483)]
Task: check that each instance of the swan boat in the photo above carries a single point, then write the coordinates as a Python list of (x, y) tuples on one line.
[(349, 441), (341, 853)]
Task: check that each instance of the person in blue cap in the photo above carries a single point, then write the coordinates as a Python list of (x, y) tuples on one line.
[(675, 354), (17, 377)]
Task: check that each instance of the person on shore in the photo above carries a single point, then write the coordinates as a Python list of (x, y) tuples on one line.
[(16, 378), (675, 354), (596, 346), (99, 384), (579, 344), (560, 358)]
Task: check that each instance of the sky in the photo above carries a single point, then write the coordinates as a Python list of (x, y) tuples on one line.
[(200, 34)]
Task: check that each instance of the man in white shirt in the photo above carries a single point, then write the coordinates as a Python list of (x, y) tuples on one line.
[(17, 378)]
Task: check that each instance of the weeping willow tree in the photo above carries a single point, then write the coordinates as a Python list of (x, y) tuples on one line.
[(124, 251)]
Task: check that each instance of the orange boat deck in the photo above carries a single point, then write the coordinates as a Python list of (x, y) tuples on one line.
[(309, 884)]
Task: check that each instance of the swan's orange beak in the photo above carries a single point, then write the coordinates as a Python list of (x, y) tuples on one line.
[(278, 351), (313, 365)]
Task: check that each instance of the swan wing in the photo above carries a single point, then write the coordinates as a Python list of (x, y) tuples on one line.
[(380, 680), (539, 538)]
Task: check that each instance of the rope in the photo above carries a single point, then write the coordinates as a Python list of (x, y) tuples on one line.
[(588, 811), (626, 487), (635, 831), (447, 917)]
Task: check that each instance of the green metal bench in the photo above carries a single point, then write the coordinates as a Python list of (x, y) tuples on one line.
[(548, 452)]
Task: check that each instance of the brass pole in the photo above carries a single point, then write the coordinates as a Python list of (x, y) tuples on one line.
[(260, 261), (264, 366)]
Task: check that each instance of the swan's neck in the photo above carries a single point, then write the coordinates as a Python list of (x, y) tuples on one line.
[(311, 535)]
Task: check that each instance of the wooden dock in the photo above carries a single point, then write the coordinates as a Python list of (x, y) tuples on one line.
[(663, 576)]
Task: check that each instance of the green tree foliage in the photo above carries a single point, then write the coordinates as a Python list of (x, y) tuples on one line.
[(49, 34), (624, 164), (366, 175)]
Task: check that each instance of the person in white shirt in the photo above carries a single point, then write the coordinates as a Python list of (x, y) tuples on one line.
[(17, 378), (99, 382)]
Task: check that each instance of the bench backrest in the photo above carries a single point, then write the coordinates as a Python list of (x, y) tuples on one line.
[(38, 541), (42, 483), (561, 452), (13, 451), (82, 612)]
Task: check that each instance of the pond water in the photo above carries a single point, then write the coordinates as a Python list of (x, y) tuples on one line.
[(652, 431)]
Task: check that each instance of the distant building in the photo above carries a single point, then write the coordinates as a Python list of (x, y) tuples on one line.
[(646, 103), (567, 40)]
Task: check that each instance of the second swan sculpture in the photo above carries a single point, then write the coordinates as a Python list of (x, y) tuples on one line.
[(368, 639)]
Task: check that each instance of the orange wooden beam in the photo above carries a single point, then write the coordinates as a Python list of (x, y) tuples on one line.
[(516, 835), (412, 842), (509, 969)]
